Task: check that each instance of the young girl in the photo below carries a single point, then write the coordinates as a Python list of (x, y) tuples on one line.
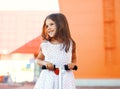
[(57, 49)]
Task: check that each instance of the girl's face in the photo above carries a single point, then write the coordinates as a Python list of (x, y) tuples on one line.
[(51, 27)]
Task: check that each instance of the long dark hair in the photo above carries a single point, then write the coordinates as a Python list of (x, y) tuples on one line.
[(63, 31)]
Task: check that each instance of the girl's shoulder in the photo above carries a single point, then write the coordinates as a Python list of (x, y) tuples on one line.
[(44, 42)]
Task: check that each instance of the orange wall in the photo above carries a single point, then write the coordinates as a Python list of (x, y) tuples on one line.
[(116, 67), (117, 12), (85, 19)]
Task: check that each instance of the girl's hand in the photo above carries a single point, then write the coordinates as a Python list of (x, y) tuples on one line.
[(71, 66), (49, 66)]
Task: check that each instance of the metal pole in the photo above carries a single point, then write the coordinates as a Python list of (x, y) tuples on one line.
[(60, 78)]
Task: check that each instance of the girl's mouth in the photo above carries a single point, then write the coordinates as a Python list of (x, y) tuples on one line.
[(51, 33)]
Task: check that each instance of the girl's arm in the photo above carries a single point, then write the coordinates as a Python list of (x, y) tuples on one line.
[(74, 60), (40, 61)]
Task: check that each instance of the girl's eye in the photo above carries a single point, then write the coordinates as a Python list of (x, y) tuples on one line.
[(51, 24), (46, 26)]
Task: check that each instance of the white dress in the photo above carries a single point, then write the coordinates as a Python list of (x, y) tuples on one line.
[(55, 54)]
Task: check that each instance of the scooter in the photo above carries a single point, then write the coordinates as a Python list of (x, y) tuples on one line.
[(59, 71)]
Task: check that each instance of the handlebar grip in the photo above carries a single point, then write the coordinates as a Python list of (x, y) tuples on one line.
[(75, 67), (66, 67), (44, 67)]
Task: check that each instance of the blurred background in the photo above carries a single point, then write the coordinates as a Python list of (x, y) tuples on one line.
[(94, 25)]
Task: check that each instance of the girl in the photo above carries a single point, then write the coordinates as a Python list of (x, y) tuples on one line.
[(57, 49)]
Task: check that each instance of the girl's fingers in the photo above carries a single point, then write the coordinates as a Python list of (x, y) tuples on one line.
[(71, 65), (50, 66)]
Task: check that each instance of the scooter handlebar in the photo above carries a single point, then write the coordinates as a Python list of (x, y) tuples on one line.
[(65, 67)]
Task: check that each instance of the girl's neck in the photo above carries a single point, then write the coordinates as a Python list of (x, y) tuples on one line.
[(55, 41)]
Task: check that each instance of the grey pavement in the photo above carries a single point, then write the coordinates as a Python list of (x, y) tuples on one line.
[(30, 86)]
